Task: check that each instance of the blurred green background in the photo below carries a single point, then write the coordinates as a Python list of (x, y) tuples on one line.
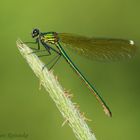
[(26, 109)]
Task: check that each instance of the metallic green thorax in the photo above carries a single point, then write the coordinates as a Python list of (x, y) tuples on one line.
[(49, 37)]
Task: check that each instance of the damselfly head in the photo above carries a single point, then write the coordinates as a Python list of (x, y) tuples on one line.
[(35, 33)]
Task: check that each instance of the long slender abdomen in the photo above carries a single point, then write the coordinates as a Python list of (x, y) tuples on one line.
[(94, 91)]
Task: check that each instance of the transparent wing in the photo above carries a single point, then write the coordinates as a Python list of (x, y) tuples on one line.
[(99, 48)]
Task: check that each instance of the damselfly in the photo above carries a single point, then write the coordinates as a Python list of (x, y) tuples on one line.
[(96, 48)]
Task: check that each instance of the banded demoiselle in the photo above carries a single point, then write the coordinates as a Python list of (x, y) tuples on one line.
[(95, 48)]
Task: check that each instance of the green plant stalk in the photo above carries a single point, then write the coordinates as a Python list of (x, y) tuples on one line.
[(61, 97)]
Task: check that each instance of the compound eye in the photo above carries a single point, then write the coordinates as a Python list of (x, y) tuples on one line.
[(34, 31)]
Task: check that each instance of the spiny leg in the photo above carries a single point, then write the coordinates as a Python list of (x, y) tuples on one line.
[(55, 60), (57, 57), (37, 51), (44, 55), (36, 42), (52, 60), (31, 43)]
